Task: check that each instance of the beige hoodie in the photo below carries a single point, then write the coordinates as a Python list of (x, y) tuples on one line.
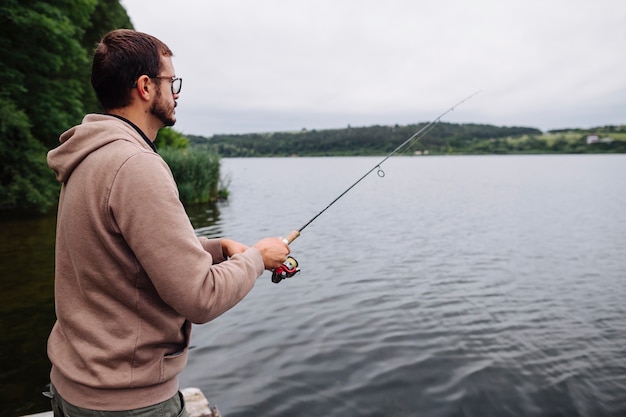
[(130, 273)]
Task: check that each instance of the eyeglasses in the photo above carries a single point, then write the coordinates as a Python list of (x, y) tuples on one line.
[(176, 83)]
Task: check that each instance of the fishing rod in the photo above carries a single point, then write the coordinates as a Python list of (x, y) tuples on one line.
[(290, 267)]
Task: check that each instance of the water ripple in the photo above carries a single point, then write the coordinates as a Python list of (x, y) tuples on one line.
[(461, 295)]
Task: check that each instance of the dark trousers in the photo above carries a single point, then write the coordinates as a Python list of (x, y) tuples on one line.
[(174, 407)]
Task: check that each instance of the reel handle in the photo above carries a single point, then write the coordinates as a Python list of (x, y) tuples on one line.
[(291, 237)]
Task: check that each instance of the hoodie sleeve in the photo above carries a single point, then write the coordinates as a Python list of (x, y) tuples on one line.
[(145, 207), (214, 247)]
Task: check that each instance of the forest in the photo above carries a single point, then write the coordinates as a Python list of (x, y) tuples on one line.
[(45, 68), (440, 138)]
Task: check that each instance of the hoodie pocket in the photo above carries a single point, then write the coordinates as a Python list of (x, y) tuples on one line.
[(173, 364)]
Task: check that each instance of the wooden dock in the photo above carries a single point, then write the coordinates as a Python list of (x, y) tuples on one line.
[(196, 405)]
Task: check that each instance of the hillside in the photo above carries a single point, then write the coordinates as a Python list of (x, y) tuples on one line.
[(443, 138)]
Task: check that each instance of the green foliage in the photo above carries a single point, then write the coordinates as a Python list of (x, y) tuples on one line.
[(45, 57), (196, 170), (25, 180), (373, 140), (197, 173), (45, 68), (443, 138), (169, 138)]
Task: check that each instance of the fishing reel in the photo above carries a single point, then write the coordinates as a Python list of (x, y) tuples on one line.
[(287, 270)]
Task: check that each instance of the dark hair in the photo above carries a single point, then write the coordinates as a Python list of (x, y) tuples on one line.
[(120, 58)]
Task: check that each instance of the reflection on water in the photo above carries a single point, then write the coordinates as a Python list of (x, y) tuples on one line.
[(27, 309), (205, 218)]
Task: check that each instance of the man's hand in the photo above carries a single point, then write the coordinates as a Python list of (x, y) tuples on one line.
[(231, 247), (273, 250)]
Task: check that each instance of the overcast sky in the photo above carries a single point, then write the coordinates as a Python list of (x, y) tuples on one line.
[(282, 65)]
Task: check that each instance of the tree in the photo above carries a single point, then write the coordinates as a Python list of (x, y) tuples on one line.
[(46, 49), (169, 138), (43, 52), (25, 180)]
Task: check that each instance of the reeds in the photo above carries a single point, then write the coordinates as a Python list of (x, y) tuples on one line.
[(197, 174)]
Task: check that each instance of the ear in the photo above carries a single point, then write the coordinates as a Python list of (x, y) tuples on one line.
[(145, 88)]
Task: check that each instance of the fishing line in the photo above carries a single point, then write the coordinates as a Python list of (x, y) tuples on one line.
[(379, 171), (290, 267)]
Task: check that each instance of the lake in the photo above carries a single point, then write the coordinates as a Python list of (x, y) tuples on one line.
[(450, 286)]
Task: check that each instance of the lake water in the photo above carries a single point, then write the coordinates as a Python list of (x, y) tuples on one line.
[(452, 286)]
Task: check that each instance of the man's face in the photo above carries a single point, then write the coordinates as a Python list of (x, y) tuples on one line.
[(163, 106)]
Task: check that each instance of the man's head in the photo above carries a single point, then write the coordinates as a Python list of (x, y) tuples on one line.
[(120, 59)]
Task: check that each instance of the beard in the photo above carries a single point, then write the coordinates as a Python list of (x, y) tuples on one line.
[(163, 111)]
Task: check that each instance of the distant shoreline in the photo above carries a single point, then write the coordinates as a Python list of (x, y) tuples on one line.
[(442, 139)]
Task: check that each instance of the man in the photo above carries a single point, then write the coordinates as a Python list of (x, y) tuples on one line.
[(131, 275)]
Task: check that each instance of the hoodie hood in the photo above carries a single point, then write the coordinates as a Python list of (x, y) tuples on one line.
[(95, 131)]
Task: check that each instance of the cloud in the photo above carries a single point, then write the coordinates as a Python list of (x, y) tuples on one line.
[(283, 65)]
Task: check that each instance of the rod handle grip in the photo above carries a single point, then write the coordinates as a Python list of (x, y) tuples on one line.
[(291, 237)]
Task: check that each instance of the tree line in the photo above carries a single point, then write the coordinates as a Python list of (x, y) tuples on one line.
[(441, 138), (372, 140)]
